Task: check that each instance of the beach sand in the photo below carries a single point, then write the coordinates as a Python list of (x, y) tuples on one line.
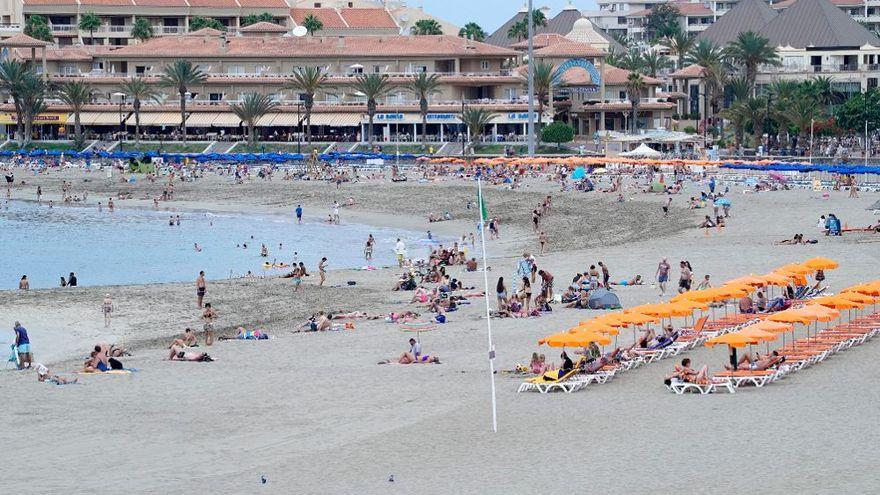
[(313, 413)]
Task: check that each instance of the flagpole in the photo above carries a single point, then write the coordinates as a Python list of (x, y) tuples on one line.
[(486, 297)]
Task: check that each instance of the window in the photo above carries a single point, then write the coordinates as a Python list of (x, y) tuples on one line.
[(484, 65), (357, 70), (140, 70), (215, 97), (377, 69), (235, 70), (69, 70), (512, 94), (621, 20), (317, 5), (621, 95)]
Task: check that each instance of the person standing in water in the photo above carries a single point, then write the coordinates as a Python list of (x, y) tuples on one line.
[(368, 248), (322, 271), (201, 288)]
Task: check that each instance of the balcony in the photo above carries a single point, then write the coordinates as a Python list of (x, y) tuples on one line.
[(69, 29), (106, 30), (169, 29), (10, 28)]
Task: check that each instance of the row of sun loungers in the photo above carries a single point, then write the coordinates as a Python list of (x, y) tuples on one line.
[(798, 355), (576, 379)]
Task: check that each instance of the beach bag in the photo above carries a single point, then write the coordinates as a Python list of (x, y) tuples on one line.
[(115, 364), (440, 318)]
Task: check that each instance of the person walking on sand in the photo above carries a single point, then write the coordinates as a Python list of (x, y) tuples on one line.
[(336, 212), (22, 345), (299, 214), (662, 275), (543, 240), (666, 206), (322, 271), (201, 288), (209, 316), (107, 308)]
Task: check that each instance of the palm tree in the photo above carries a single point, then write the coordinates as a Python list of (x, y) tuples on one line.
[(76, 94), (33, 102), (518, 30), (308, 80), (634, 86), (181, 74), (426, 27), (252, 107), (710, 57), (751, 50), (738, 87), (822, 89), (754, 111), (475, 119), (655, 62), (142, 30), (37, 28), (372, 87), (781, 93), (139, 91), (738, 118), (801, 112), (423, 86), (89, 22), (473, 31), (680, 43), (544, 75), (632, 61), (12, 77), (312, 24)]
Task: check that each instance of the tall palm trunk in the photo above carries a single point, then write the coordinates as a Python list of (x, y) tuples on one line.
[(137, 121), (78, 140), (309, 103), (183, 113), (371, 112), (423, 108), (251, 140)]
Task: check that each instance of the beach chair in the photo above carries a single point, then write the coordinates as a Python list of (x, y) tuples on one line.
[(680, 387), (747, 377), (13, 357), (568, 382)]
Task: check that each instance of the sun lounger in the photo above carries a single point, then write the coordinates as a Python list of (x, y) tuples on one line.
[(680, 387), (748, 377)]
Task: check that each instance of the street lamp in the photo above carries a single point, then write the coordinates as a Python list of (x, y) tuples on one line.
[(121, 97)]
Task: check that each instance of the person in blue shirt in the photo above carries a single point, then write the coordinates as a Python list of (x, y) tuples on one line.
[(23, 346), (299, 213)]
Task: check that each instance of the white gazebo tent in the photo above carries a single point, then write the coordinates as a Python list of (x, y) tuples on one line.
[(643, 151)]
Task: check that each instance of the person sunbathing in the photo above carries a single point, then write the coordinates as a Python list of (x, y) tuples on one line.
[(599, 363), (242, 334), (187, 340), (178, 354), (760, 364), (707, 223), (408, 358), (44, 375), (685, 373), (637, 280), (797, 239), (582, 301)]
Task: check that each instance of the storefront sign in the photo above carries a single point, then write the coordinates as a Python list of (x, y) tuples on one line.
[(389, 117), (8, 118)]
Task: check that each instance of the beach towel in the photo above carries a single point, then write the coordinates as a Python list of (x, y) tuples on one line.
[(13, 357)]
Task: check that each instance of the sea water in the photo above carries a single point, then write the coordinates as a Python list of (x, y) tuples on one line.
[(137, 246)]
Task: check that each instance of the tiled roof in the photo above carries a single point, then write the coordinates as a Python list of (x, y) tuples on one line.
[(264, 4), (367, 18), (66, 54), (330, 18), (220, 4), (264, 27), (109, 3), (49, 2), (816, 23), (747, 15), (161, 3), (541, 40), (617, 76), (685, 8), (499, 36), (569, 49), (196, 45), (690, 72), (205, 32), (22, 40), (840, 3)]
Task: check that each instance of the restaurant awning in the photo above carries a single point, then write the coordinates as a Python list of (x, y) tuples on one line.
[(101, 118), (337, 119), (160, 118), (202, 119), (287, 119)]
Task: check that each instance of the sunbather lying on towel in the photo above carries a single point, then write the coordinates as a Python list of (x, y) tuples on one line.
[(408, 358), (760, 363), (44, 375), (178, 354), (242, 334), (597, 364), (685, 373)]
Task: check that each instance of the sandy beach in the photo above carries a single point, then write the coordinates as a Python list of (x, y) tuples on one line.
[(314, 413)]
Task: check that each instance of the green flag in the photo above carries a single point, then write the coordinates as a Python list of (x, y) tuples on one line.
[(482, 204)]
